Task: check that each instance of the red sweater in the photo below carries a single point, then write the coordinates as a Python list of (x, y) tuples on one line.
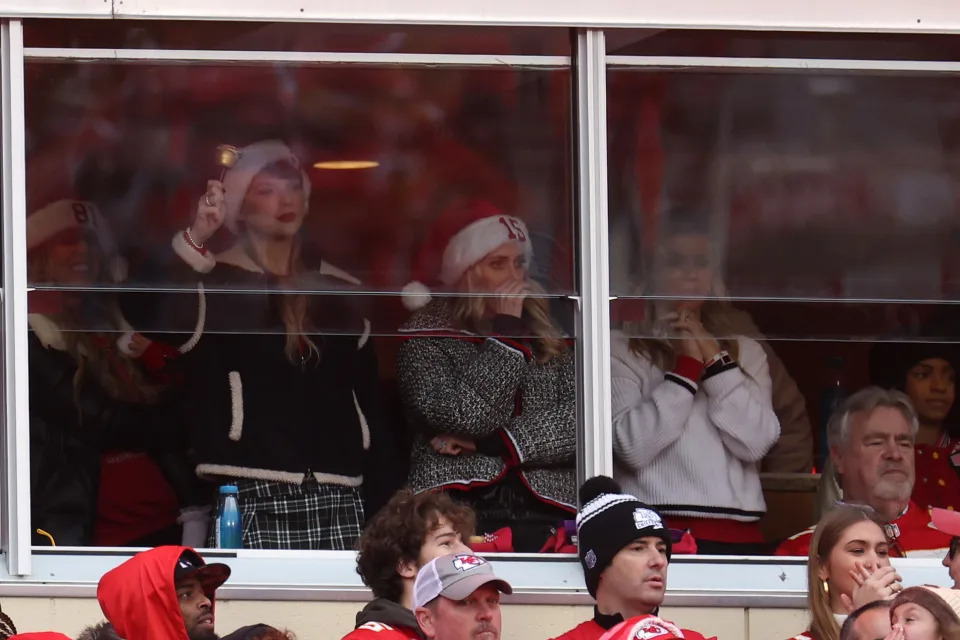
[(381, 631), (910, 536), (600, 624)]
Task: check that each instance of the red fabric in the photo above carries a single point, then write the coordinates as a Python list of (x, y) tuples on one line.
[(717, 529), (806, 635), (649, 627), (40, 635), (687, 545), (429, 259), (689, 368), (500, 541), (917, 538), (134, 500), (381, 631), (559, 543), (157, 359), (937, 483), (590, 630), (139, 598)]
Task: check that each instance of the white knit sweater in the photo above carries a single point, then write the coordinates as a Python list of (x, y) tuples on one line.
[(689, 448)]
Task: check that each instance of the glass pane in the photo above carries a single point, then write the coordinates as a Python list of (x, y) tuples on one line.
[(296, 370), (772, 44), (289, 36), (807, 223)]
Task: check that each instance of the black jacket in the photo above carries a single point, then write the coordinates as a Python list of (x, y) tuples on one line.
[(68, 434), (100, 631), (388, 612), (254, 414)]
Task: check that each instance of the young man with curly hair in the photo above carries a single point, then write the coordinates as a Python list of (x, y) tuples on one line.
[(407, 533)]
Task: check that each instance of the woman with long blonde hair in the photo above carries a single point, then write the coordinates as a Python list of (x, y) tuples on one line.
[(101, 420), (848, 567), (281, 380), (692, 407), (487, 379)]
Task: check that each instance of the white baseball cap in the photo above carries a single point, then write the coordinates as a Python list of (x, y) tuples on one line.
[(454, 577)]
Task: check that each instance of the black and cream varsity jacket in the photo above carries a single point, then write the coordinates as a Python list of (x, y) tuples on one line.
[(254, 414)]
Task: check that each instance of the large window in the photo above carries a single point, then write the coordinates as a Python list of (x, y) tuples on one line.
[(320, 281), (324, 262), (800, 215)]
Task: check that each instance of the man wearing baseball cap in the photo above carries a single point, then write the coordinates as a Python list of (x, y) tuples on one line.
[(625, 551), (457, 597), (948, 522), (166, 593)]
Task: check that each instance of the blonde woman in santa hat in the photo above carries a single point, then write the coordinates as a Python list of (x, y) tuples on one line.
[(280, 405), (486, 378), (97, 401), (692, 402)]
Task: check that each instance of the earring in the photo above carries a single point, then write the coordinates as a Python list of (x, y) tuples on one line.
[(826, 587)]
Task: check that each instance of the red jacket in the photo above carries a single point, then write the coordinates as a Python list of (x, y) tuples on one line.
[(139, 597), (40, 635), (384, 619), (381, 631), (937, 483), (910, 535), (593, 629)]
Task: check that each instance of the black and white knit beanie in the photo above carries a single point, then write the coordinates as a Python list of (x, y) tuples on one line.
[(608, 521)]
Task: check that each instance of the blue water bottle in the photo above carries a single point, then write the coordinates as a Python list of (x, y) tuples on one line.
[(229, 533)]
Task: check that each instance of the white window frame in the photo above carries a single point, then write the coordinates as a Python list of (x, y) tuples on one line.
[(702, 581)]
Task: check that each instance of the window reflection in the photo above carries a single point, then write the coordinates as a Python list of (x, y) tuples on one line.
[(252, 312), (825, 204)]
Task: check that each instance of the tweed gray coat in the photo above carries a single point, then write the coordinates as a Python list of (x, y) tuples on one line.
[(452, 381)]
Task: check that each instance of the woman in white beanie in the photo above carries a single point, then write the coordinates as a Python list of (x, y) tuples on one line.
[(99, 398), (487, 380), (282, 386)]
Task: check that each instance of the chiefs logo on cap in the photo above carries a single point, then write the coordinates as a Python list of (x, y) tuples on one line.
[(465, 562), (651, 631)]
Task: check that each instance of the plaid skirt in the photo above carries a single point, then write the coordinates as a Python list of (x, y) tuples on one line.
[(277, 515)]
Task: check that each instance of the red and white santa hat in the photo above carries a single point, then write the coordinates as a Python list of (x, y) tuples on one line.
[(251, 161), (46, 223), (459, 239)]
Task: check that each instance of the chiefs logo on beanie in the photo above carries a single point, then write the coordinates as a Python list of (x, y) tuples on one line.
[(459, 239)]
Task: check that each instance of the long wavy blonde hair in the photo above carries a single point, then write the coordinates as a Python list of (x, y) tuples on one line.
[(299, 347), (827, 535), (470, 313), (717, 316), (89, 328)]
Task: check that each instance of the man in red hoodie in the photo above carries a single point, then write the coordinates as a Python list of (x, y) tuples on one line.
[(166, 593)]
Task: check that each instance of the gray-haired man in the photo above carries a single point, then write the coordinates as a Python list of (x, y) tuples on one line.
[(871, 446)]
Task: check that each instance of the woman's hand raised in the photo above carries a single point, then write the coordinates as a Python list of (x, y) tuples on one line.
[(210, 213)]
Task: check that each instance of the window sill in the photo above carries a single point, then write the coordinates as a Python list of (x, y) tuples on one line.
[(331, 576)]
